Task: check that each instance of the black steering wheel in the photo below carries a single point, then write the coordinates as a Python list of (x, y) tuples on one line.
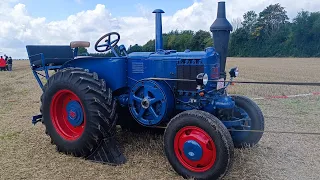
[(108, 43)]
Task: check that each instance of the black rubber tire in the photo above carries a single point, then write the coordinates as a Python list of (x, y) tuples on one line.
[(216, 130), (257, 121), (127, 122), (99, 105)]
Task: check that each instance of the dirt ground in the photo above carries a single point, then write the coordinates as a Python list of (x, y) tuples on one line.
[(26, 152)]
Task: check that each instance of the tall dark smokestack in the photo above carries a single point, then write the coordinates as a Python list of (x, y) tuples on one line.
[(221, 29), (159, 40)]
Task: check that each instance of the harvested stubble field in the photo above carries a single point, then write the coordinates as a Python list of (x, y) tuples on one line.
[(26, 152)]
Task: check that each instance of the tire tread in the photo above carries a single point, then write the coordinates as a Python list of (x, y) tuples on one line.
[(100, 115)]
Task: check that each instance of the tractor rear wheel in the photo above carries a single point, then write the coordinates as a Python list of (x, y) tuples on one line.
[(198, 145), (247, 109), (78, 111)]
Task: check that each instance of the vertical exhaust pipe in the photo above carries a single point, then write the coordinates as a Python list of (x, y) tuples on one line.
[(159, 40), (221, 29)]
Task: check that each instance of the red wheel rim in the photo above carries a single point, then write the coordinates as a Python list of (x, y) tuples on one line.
[(61, 117), (203, 149)]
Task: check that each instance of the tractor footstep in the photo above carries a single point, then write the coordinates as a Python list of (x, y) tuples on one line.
[(108, 153)]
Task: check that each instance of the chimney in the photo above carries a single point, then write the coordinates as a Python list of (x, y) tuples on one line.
[(221, 29), (159, 40)]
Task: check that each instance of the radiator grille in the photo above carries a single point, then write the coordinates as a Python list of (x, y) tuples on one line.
[(188, 69)]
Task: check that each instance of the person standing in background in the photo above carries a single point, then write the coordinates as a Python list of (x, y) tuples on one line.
[(9, 62), (6, 59), (2, 64)]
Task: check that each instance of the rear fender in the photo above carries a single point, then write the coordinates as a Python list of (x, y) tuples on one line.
[(112, 70)]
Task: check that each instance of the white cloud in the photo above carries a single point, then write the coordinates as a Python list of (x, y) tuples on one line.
[(19, 29)]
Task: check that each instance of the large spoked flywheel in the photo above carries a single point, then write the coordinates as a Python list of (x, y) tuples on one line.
[(151, 102)]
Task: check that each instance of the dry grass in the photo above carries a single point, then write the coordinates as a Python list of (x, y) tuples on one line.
[(26, 152)]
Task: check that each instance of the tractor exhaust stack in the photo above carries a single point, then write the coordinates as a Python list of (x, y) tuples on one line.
[(221, 29), (159, 40)]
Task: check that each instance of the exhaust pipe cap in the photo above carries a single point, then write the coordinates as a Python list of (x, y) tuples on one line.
[(158, 11), (221, 23)]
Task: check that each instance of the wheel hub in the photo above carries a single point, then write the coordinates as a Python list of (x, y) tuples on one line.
[(192, 150), (145, 103), (67, 115), (195, 149), (75, 116)]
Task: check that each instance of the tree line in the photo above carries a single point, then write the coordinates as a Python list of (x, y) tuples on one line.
[(266, 34)]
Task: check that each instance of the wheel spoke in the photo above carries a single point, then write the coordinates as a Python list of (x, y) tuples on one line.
[(145, 92), (153, 113), (137, 99), (152, 101), (142, 110)]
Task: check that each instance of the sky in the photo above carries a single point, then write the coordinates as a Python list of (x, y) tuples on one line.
[(58, 22)]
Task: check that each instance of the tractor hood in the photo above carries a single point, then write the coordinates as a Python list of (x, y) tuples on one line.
[(171, 54)]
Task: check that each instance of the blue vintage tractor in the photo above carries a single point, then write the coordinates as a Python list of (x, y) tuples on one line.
[(185, 92)]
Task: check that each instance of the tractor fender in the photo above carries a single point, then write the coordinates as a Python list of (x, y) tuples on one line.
[(112, 70)]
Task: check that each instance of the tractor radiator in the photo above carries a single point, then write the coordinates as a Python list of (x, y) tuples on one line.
[(188, 69)]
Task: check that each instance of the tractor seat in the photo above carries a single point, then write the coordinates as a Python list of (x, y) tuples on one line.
[(54, 55), (77, 44)]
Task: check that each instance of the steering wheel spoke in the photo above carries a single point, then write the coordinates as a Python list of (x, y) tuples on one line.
[(104, 45), (113, 41), (109, 44)]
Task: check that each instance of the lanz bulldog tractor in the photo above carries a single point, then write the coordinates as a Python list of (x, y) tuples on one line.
[(185, 92)]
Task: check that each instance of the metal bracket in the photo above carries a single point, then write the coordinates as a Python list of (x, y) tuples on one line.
[(36, 119)]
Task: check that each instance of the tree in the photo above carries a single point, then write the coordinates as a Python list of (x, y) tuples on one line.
[(250, 20), (305, 32), (135, 48), (272, 18), (149, 46), (82, 50), (236, 23), (200, 40)]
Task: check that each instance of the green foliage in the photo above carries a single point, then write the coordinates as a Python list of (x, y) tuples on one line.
[(249, 22), (270, 34), (82, 50), (266, 34)]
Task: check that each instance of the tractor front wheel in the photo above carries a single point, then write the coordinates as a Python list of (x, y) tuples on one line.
[(198, 145), (78, 111), (248, 110)]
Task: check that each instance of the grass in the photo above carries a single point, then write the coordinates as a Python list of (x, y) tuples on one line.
[(10, 135), (26, 152)]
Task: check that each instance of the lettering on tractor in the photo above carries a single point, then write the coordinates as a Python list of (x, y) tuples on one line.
[(86, 97)]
